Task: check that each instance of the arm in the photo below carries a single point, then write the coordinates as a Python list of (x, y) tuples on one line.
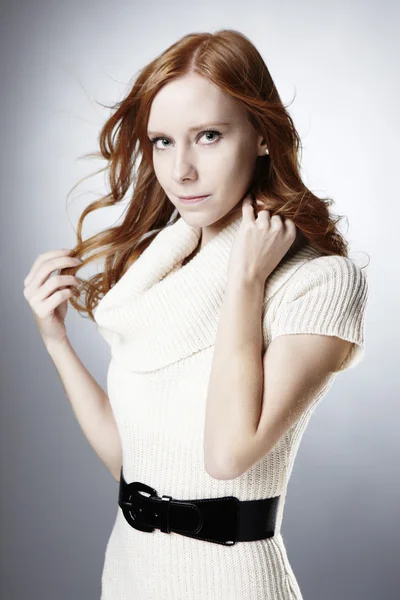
[(253, 400), (235, 384), (90, 405)]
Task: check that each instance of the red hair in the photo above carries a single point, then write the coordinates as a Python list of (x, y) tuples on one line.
[(229, 60)]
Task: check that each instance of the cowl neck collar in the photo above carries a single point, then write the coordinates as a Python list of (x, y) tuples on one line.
[(161, 311)]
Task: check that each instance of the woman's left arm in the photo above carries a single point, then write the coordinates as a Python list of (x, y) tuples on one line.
[(252, 400)]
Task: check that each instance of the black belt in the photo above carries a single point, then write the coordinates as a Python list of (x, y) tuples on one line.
[(224, 520)]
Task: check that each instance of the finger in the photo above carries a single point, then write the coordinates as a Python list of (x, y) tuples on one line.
[(48, 305), (290, 227), (41, 259), (263, 215), (57, 283), (247, 207), (47, 267)]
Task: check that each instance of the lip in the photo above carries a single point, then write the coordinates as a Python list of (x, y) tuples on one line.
[(193, 199)]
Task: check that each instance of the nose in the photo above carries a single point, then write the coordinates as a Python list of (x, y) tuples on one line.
[(183, 167)]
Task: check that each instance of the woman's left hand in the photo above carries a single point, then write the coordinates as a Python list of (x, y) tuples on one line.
[(260, 244)]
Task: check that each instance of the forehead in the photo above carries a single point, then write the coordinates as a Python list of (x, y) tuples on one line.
[(191, 100)]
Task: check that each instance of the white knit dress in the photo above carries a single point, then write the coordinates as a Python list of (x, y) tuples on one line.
[(160, 321)]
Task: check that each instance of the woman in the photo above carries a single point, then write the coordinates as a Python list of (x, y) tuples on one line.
[(228, 318)]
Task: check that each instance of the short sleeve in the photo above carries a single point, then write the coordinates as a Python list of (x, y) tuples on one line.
[(326, 296), (102, 328), (107, 334)]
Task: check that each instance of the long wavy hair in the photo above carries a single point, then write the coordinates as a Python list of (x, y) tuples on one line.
[(229, 60)]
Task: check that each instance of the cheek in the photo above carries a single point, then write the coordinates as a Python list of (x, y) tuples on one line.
[(238, 169), (223, 163), (162, 172)]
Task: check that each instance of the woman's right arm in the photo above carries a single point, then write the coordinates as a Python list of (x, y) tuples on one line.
[(90, 404), (48, 296)]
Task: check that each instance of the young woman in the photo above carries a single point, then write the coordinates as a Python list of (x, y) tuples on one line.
[(228, 317)]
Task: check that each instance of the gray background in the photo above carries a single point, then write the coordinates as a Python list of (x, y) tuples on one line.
[(58, 501)]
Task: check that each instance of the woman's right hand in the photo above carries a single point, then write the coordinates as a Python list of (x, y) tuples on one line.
[(48, 296)]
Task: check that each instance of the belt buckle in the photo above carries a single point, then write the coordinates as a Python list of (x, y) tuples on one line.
[(132, 513)]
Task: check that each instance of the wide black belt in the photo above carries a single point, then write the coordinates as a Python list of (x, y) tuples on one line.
[(224, 520)]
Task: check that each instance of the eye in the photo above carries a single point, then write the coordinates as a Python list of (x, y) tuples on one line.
[(216, 132)]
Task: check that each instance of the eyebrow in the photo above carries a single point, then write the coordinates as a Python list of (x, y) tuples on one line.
[(190, 128)]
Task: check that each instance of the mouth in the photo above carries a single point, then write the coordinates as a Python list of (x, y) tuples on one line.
[(191, 199)]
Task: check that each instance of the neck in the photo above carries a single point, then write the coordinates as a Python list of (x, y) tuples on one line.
[(210, 231)]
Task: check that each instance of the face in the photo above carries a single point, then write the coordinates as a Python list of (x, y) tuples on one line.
[(217, 163)]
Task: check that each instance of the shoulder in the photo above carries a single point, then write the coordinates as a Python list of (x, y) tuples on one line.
[(333, 274), (325, 295), (334, 264)]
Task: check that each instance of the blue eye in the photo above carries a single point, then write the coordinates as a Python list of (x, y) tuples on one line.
[(153, 141)]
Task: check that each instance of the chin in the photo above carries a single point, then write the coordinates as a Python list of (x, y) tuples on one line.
[(193, 220)]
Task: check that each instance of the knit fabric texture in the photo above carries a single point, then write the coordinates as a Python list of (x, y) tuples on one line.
[(160, 321)]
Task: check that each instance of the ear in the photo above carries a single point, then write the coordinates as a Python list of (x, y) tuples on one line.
[(261, 146)]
